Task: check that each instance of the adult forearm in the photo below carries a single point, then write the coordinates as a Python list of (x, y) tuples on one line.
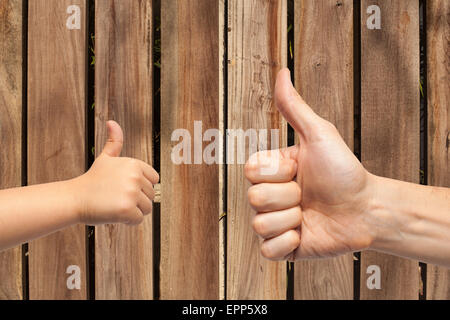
[(32, 212), (411, 220)]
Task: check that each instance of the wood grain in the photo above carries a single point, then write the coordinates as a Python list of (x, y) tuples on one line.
[(257, 51), (56, 136), (189, 199), (124, 92), (11, 131), (222, 166), (390, 131), (438, 66), (324, 77)]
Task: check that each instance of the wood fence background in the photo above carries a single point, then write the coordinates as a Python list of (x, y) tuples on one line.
[(161, 65)]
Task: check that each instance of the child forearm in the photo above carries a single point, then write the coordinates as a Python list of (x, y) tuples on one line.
[(114, 190), (32, 212)]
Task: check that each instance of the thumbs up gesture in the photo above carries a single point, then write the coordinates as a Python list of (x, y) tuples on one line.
[(316, 204), (116, 190)]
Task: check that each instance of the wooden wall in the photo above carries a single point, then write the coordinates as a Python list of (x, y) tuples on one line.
[(219, 60)]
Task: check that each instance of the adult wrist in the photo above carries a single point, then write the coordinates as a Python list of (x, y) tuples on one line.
[(388, 214)]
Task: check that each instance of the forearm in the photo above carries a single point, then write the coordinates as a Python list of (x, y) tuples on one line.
[(411, 220), (32, 212)]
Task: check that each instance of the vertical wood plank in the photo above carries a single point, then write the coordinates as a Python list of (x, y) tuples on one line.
[(257, 51), (56, 135), (124, 92), (324, 77), (222, 166), (390, 137), (11, 131), (189, 199), (438, 37)]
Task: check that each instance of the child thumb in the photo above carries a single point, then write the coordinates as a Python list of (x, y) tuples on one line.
[(113, 146)]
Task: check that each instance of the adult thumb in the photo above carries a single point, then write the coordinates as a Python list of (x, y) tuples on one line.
[(291, 105), (113, 146)]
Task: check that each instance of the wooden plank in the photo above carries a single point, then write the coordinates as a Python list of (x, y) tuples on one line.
[(222, 166), (56, 135), (124, 92), (257, 51), (324, 77), (11, 131), (189, 199), (390, 136), (438, 35)]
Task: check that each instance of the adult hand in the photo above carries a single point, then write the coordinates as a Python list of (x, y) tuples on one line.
[(316, 204)]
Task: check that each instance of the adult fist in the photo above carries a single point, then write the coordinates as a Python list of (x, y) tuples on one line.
[(116, 190), (315, 204)]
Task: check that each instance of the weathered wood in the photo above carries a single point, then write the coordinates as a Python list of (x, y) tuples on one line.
[(222, 166), (124, 92), (189, 199), (11, 131), (257, 51), (390, 131), (438, 51), (56, 135), (324, 77)]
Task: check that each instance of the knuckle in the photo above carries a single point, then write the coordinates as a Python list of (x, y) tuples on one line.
[(147, 208), (283, 100), (132, 193), (134, 164), (294, 239), (255, 197), (135, 176), (249, 170), (126, 205), (150, 209), (266, 252), (132, 189), (259, 226)]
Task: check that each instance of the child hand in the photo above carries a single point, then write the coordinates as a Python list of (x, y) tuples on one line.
[(324, 212), (116, 190)]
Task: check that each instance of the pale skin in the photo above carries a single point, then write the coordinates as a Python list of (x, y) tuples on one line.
[(114, 190), (323, 203), (320, 203)]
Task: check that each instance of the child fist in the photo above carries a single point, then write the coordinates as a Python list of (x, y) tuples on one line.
[(116, 190)]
